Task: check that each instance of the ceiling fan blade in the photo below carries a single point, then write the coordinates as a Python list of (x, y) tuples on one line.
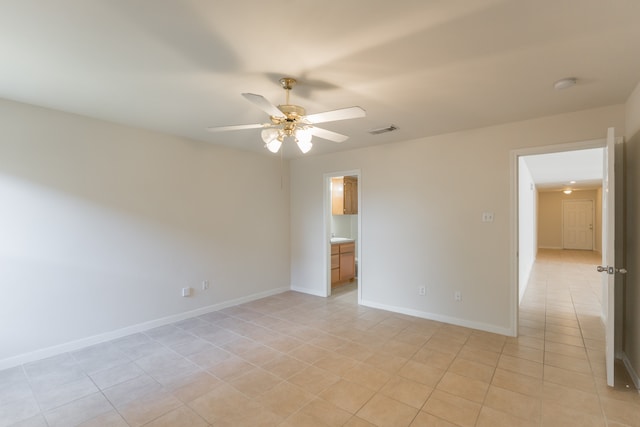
[(327, 134), (237, 127), (335, 115), (262, 103)]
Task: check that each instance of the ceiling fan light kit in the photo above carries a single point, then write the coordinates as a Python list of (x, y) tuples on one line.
[(271, 138), (291, 121)]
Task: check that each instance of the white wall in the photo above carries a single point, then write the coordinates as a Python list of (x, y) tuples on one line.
[(102, 225), (421, 205), (527, 226), (345, 226), (632, 288)]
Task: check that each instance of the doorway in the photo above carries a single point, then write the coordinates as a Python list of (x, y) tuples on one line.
[(342, 230), (553, 162), (611, 236)]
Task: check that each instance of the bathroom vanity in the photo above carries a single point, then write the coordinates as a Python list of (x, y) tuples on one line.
[(343, 260)]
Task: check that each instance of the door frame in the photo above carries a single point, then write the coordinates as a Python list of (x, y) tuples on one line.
[(514, 173), (326, 229), (593, 219)]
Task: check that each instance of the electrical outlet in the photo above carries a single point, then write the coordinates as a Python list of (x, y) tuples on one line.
[(422, 290), (487, 216), (458, 296), (205, 285)]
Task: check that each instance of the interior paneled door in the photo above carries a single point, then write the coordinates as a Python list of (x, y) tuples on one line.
[(577, 224), (607, 269)]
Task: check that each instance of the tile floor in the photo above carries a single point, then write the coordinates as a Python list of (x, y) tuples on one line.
[(295, 360)]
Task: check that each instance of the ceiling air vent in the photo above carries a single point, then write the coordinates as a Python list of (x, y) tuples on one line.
[(378, 131)]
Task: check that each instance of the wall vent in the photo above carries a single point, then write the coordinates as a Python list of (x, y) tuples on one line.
[(378, 131)]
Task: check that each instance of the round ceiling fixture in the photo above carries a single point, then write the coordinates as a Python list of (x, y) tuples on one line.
[(565, 83)]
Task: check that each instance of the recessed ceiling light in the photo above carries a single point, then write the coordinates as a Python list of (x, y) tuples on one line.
[(565, 83), (567, 191), (572, 182)]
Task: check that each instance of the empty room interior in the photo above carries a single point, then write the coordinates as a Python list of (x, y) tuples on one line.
[(238, 213)]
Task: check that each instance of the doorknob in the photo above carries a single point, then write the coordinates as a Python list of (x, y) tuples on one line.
[(611, 270)]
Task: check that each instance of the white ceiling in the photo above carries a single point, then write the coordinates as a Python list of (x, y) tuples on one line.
[(556, 171), (427, 66)]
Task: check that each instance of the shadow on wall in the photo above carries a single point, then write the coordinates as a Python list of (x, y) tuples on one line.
[(632, 278)]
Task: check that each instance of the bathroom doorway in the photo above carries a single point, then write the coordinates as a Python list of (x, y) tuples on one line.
[(342, 229)]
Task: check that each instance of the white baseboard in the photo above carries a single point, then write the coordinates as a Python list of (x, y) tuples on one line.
[(632, 373), (440, 318), (550, 247), (308, 291), (119, 333)]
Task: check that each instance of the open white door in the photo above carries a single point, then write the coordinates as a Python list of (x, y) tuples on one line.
[(608, 269)]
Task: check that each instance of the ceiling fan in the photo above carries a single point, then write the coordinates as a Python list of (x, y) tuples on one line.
[(292, 121)]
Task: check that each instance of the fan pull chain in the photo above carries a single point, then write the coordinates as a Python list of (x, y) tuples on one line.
[(282, 168)]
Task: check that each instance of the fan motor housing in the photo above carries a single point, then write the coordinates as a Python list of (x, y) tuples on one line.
[(291, 112)]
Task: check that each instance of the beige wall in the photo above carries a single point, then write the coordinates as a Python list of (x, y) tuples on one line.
[(631, 344), (422, 203), (550, 217), (102, 225)]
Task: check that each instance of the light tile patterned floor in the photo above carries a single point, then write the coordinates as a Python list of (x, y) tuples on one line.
[(297, 360)]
